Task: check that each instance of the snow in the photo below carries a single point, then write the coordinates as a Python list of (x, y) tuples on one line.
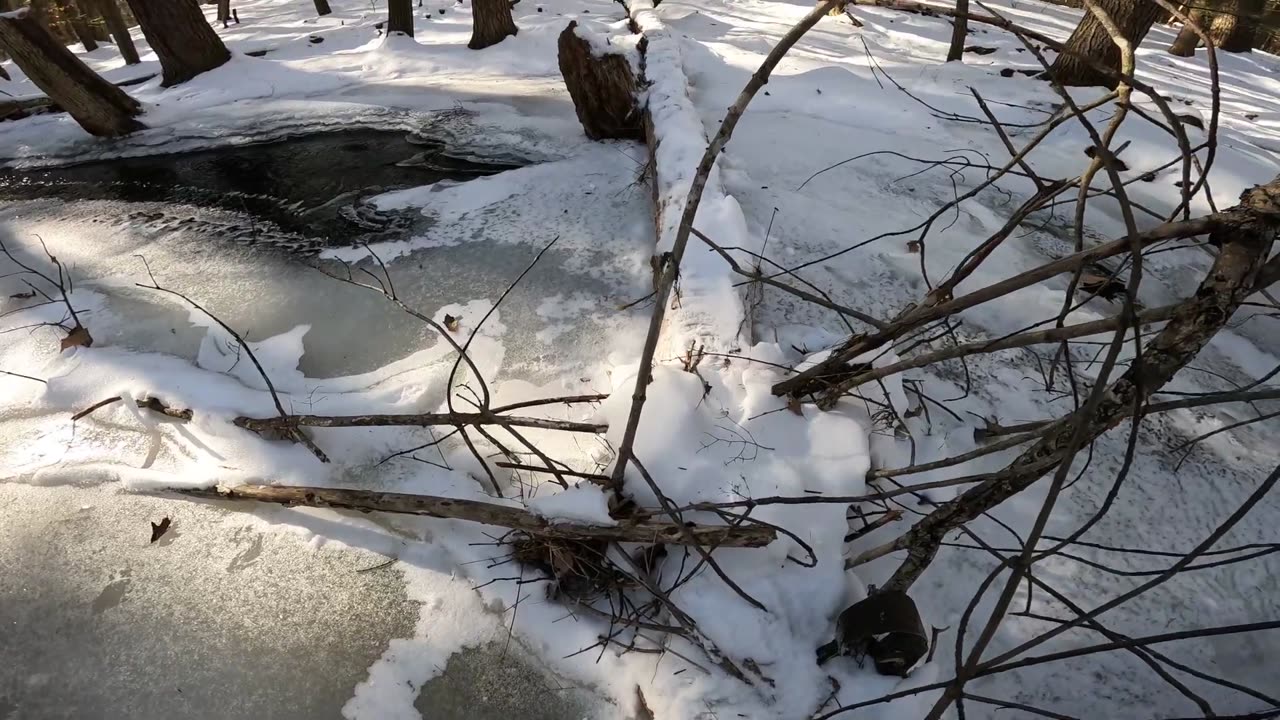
[(584, 503), (714, 434), (625, 44)]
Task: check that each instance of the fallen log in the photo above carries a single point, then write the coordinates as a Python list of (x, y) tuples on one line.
[(414, 420), (645, 530), (285, 423)]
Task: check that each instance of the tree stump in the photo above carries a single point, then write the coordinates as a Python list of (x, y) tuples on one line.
[(491, 23), (180, 36), (603, 88), (119, 29), (101, 108)]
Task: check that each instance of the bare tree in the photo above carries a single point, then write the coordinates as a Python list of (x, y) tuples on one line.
[(224, 12), (400, 17), (71, 14), (114, 18), (959, 31), (491, 23), (181, 37), (322, 7), (98, 106), (1091, 45)]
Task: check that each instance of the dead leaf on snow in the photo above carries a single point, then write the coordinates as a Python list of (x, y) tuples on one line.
[(159, 529), (78, 337), (793, 404), (451, 323), (23, 296)]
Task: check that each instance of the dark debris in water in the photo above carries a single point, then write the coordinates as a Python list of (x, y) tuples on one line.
[(302, 194)]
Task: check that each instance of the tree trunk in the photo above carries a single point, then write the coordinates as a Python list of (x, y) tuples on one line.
[(959, 31), (603, 89), (180, 36), (224, 12), (101, 108), (39, 9), (71, 14), (491, 23), (322, 7), (1239, 24), (94, 18), (114, 18), (400, 17), (1188, 40), (1133, 17)]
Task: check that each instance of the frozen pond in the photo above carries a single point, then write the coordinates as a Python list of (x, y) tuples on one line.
[(249, 256), (228, 618)]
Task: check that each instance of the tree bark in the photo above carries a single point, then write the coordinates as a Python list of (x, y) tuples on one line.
[(1244, 243), (1234, 29), (181, 37), (322, 7), (491, 23), (1091, 40), (98, 106), (603, 89), (1188, 40), (224, 12), (648, 531), (71, 14), (959, 31), (97, 26), (115, 21), (400, 17)]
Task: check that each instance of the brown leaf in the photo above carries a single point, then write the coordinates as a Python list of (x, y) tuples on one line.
[(451, 323), (793, 404), (78, 337), (1119, 164), (159, 529), (1108, 288), (23, 296), (913, 246)]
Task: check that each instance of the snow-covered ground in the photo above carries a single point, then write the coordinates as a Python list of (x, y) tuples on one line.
[(715, 436)]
